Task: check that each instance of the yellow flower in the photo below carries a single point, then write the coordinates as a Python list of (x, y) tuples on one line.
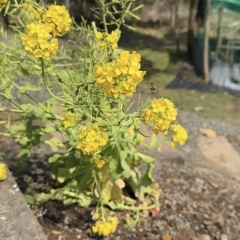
[(162, 113), (106, 226), (99, 36), (123, 57), (3, 1), (107, 41), (69, 120), (134, 60), (3, 172), (34, 12), (122, 76), (92, 140), (112, 37), (104, 46), (154, 191), (38, 40), (114, 46), (96, 215), (58, 17), (179, 136), (149, 190), (99, 162)]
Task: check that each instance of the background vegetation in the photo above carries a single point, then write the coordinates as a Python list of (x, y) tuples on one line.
[(161, 38)]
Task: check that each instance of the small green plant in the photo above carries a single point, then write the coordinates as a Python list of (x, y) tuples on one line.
[(99, 154), (30, 199)]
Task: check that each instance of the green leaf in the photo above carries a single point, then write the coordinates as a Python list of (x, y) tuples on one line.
[(83, 175), (51, 104), (63, 76), (54, 143), (43, 197), (69, 193), (137, 8), (31, 87), (146, 181), (127, 170), (147, 159), (134, 15), (23, 141), (122, 167), (69, 201), (153, 142), (29, 199), (22, 157), (71, 161), (84, 200), (13, 129), (48, 129), (127, 123), (113, 168), (115, 131), (54, 158), (63, 174), (130, 27), (8, 92)]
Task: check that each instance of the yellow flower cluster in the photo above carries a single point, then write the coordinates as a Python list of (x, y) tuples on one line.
[(106, 226), (58, 17), (107, 40), (179, 136), (34, 12), (121, 77), (38, 40), (92, 139), (99, 162), (162, 113), (69, 119), (155, 190), (3, 172)]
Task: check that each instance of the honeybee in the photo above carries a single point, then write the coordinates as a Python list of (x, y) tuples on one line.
[(152, 88)]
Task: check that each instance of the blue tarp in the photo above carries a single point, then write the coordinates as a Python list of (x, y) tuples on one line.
[(232, 5)]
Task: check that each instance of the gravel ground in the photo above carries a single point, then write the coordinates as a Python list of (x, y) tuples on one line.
[(197, 202)]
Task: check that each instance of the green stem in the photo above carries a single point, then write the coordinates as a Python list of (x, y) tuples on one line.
[(121, 101), (5, 134), (30, 97), (11, 110), (111, 111), (131, 208), (49, 90), (104, 16), (94, 28), (11, 101)]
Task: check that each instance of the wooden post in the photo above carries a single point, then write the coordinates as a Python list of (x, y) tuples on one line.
[(206, 43), (219, 33), (176, 30), (191, 30), (173, 15)]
